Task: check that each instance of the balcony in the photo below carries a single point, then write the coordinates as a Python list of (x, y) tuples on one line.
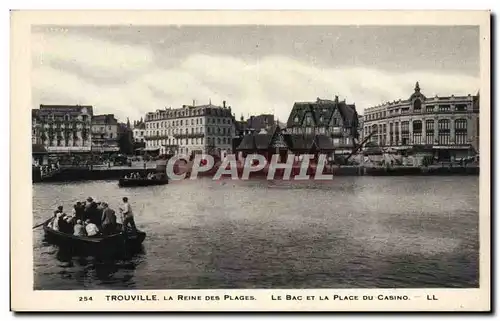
[(193, 135), (165, 136)]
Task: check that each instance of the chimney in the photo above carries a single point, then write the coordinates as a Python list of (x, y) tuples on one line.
[(224, 103), (194, 102)]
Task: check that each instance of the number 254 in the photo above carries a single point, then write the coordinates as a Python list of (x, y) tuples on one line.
[(85, 298)]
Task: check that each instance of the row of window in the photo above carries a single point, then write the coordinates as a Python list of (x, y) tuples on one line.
[(63, 143), (187, 113), (443, 138), (407, 110), (52, 117), (197, 130), (443, 124), (310, 130), (186, 122), (308, 120), (59, 126), (189, 141)]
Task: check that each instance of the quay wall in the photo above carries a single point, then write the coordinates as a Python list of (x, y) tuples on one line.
[(360, 171), (79, 174)]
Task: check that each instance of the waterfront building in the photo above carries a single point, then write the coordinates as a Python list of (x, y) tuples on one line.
[(361, 127), (139, 131), (105, 133), (333, 119), (191, 129), (254, 124), (280, 141), (62, 128), (446, 127), (263, 121)]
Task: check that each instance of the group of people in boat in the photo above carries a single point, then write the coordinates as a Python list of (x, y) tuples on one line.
[(91, 218), (136, 175)]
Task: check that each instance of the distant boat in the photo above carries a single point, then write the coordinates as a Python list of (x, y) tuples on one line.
[(131, 182), (130, 239)]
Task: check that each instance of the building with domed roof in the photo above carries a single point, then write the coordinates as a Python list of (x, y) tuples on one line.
[(445, 126)]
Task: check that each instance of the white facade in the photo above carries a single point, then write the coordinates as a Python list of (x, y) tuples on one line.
[(204, 129), (139, 133), (450, 122), (62, 128), (105, 133)]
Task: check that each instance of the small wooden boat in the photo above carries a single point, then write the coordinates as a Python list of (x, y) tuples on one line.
[(118, 239), (130, 182)]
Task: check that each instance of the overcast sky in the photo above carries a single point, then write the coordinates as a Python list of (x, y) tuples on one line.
[(129, 71)]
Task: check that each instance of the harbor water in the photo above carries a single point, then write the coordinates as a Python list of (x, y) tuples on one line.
[(351, 232)]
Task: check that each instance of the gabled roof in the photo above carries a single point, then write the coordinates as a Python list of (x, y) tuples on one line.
[(247, 143), (322, 111)]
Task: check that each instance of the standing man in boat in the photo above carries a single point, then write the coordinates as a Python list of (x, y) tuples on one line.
[(108, 219), (127, 215), (59, 210), (91, 211)]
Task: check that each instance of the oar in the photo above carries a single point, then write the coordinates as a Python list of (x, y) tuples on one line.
[(34, 227)]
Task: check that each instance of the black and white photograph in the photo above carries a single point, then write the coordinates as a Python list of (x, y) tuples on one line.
[(257, 156)]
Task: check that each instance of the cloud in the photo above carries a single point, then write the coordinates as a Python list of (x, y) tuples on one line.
[(91, 55), (135, 84)]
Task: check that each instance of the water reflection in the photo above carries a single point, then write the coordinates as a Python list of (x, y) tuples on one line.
[(86, 269)]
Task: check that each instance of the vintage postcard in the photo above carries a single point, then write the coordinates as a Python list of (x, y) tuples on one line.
[(250, 161)]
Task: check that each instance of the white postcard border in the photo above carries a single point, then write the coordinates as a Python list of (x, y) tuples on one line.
[(24, 298)]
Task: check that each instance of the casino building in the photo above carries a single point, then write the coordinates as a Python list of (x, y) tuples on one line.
[(446, 127)]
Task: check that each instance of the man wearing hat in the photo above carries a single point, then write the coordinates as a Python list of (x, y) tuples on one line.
[(91, 212), (108, 219), (59, 210)]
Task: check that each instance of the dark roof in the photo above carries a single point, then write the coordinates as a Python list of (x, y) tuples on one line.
[(140, 125), (247, 143), (105, 119), (66, 109), (294, 141), (322, 111)]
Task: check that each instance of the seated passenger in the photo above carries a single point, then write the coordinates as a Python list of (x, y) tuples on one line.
[(91, 228), (79, 229)]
